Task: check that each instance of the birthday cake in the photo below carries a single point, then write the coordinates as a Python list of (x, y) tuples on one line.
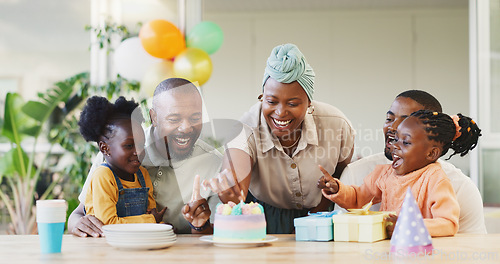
[(239, 222)]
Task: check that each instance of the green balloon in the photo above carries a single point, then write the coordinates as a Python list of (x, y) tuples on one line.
[(206, 36)]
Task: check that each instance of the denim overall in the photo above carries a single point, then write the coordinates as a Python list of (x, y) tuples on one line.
[(131, 201)]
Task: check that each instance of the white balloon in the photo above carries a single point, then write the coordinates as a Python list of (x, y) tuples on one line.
[(131, 61), (155, 74)]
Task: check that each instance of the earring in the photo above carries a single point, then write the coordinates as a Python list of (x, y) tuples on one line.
[(260, 97), (310, 109), (153, 121)]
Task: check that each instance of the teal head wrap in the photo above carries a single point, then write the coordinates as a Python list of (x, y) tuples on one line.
[(287, 64)]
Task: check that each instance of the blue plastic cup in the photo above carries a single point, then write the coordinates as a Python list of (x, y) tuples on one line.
[(51, 217), (51, 235)]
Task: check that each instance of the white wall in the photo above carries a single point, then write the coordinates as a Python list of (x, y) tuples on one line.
[(362, 60), (43, 42)]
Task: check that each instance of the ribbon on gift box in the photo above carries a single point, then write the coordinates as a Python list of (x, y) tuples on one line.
[(311, 226), (365, 210), (324, 214), (353, 222)]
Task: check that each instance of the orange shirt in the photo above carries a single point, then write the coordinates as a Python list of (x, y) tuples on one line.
[(430, 187), (102, 196)]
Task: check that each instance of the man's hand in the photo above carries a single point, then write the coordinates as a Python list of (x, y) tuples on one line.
[(88, 225), (83, 225), (196, 211)]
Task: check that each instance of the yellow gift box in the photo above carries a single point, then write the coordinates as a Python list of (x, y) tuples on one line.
[(360, 225), (353, 226)]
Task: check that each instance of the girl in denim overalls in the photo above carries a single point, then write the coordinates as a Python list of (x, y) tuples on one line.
[(120, 190)]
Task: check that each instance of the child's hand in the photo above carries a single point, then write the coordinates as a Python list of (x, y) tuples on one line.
[(158, 215), (328, 185), (390, 223)]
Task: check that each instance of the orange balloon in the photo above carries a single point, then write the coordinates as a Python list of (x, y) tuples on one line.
[(162, 39)]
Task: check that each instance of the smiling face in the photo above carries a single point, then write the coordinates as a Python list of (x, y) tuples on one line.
[(401, 108), (412, 149), (284, 107), (121, 148), (177, 118)]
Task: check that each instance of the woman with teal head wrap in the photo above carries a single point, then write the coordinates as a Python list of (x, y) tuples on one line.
[(288, 135), (287, 64)]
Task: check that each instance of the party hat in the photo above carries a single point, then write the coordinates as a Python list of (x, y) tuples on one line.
[(410, 236)]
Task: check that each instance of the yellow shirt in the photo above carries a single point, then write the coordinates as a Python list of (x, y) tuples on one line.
[(102, 196), (173, 179)]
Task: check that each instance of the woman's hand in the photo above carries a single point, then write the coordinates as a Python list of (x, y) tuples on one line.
[(390, 223), (197, 212), (327, 183), (224, 185), (158, 215)]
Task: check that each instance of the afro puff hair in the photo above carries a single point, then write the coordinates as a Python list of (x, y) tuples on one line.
[(98, 113)]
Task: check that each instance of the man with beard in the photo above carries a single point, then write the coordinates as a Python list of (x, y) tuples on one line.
[(471, 218), (174, 154)]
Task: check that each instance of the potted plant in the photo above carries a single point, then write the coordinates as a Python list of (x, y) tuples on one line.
[(51, 117), (18, 167)]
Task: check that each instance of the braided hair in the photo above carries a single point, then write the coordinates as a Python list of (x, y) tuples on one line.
[(99, 116), (441, 128)]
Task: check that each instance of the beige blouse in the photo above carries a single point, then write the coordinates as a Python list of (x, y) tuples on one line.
[(290, 182)]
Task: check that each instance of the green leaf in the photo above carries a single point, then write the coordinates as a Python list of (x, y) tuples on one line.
[(7, 164), (16, 123), (2, 138), (11, 165), (41, 110), (35, 109)]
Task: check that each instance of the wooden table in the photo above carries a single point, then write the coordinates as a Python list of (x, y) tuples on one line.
[(189, 249)]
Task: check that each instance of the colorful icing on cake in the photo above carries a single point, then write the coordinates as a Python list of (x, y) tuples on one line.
[(239, 222)]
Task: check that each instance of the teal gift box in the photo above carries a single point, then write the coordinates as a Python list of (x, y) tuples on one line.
[(314, 227)]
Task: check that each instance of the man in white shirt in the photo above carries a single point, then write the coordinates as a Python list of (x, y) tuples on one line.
[(471, 205)]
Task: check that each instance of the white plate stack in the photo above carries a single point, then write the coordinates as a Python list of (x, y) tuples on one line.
[(139, 236)]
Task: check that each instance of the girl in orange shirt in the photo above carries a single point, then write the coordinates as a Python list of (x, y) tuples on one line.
[(420, 140)]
